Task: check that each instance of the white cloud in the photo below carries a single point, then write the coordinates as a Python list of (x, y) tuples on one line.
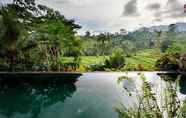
[(95, 15), (108, 15)]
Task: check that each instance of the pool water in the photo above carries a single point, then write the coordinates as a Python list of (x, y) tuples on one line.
[(93, 95)]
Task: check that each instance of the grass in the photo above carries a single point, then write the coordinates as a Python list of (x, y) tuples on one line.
[(145, 58), (86, 60)]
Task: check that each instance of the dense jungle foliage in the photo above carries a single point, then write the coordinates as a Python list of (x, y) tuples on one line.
[(35, 37)]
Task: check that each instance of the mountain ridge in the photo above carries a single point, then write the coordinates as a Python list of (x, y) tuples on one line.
[(180, 27)]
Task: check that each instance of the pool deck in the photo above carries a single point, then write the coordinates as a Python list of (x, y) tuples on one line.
[(75, 74), (41, 74), (32, 72)]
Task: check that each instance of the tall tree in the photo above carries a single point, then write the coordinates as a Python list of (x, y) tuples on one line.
[(39, 22), (103, 38)]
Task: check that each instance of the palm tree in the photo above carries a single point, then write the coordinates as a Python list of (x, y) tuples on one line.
[(102, 38)]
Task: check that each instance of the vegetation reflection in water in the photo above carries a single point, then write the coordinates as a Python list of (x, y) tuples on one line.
[(151, 103), (23, 97), (93, 95)]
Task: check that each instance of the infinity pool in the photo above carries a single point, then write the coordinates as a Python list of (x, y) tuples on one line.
[(93, 95)]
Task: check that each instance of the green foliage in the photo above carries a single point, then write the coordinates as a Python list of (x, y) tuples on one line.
[(36, 37), (147, 59), (169, 61), (147, 103), (174, 48), (122, 78), (33, 36), (116, 60), (172, 28), (10, 36), (183, 109), (97, 67), (166, 45), (104, 41)]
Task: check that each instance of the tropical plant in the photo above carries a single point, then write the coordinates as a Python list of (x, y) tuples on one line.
[(148, 105), (116, 60), (35, 31), (168, 61), (10, 37)]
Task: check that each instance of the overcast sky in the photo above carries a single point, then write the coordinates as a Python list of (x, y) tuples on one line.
[(112, 15)]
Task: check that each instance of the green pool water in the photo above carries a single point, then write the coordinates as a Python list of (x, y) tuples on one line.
[(93, 95)]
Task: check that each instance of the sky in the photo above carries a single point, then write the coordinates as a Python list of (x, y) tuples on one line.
[(113, 15)]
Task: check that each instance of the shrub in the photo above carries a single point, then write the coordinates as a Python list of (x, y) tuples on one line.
[(140, 67), (116, 60), (82, 68), (129, 67), (97, 67), (183, 62), (169, 61), (174, 48)]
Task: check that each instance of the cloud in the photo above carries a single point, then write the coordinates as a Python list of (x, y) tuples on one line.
[(2, 2), (105, 15), (130, 9), (154, 6), (174, 9)]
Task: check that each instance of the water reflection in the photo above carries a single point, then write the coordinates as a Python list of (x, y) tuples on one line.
[(94, 95), (27, 97), (182, 84), (179, 78)]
